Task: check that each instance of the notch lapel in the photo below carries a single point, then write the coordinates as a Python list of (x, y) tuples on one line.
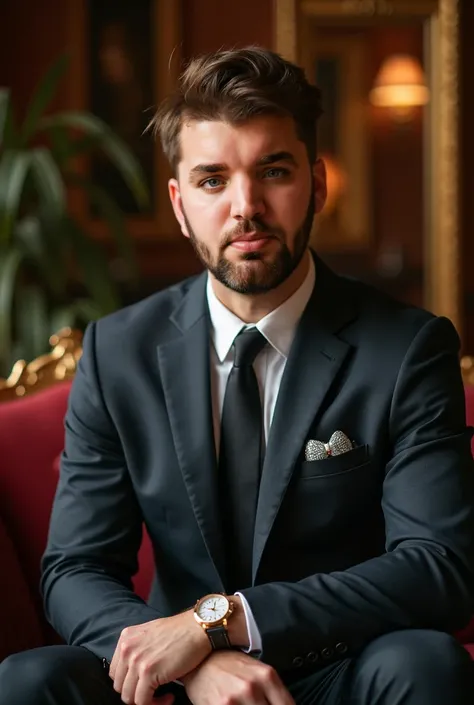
[(185, 373), (315, 358)]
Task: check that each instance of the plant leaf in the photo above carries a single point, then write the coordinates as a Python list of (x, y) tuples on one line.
[(33, 237), (4, 108), (14, 166), (8, 136), (32, 321), (86, 310), (115, 220), (49, 184), (62, 147), (95, 271), (114, 147), (10, 261), (62, 317), (42, 97), (80, 310)]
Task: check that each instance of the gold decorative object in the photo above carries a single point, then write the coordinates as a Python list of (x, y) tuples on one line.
[(441, 169), (56, 366)]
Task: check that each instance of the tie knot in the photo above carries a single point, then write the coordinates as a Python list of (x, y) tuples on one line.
[(247, 344)]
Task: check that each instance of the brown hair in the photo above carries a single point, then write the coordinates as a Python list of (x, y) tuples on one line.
[(234, 86)]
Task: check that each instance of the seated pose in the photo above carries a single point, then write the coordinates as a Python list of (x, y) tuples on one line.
[(294, 442)]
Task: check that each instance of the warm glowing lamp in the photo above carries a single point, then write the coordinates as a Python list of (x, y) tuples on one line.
[(336, 180), (400, 86)]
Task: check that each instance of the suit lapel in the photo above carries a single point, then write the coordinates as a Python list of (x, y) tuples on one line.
[(315, 358), (185, 374)]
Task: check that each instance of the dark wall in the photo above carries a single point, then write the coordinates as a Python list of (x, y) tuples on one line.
[(33, 33)]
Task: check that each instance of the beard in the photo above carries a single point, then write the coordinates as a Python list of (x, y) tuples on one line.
[(271, 272)]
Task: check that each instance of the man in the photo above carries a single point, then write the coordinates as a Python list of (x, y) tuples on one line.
[(294, 442)]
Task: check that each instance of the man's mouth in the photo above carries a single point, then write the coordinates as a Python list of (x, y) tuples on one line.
[(250, 242)]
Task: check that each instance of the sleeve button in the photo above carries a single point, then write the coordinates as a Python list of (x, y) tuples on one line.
[(312, 657), (327, 653), (341, 647), (298, 662)]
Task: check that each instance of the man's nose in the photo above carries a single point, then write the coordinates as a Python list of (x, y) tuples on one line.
[(247, 201)]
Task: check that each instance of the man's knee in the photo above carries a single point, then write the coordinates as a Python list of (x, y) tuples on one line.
[(415, 650), (26, 676), (415, 661)]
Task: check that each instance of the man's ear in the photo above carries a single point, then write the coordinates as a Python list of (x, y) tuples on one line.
[(320, 185), (176, 202)]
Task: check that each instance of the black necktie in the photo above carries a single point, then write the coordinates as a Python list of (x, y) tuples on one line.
[(240, 458)]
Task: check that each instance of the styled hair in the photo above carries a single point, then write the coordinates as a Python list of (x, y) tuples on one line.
[(235, 86)]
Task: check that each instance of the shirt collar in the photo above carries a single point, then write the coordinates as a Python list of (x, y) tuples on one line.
[(278, 326)]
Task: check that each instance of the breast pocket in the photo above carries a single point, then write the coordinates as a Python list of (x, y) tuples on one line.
[(335, 464)]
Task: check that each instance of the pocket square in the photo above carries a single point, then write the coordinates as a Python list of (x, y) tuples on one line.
[(337, 444)]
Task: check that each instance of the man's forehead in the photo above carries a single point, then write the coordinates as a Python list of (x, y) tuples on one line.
[(215, 139)]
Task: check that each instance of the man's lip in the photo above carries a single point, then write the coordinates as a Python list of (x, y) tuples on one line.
[(248, 237)]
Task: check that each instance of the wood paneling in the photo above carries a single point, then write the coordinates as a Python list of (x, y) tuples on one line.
[(467, 178)]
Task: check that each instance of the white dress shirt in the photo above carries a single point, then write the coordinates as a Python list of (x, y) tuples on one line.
[(279, 328)]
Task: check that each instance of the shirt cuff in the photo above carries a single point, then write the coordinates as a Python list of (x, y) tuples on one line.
[(255, 640)]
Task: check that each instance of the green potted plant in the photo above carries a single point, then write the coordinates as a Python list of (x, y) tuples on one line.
[(45, 254)]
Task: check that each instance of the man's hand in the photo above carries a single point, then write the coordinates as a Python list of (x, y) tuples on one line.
[(152, 654), (235, 678)]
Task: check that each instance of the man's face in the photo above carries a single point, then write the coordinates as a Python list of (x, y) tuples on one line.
[(246, 196)]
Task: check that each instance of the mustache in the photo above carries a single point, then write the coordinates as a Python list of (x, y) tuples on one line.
[(249, 226)]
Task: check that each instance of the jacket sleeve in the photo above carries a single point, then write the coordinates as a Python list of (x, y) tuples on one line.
[(425, 577), (96, 525)]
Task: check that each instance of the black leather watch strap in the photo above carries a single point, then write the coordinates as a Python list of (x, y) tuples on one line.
[(218, 637)]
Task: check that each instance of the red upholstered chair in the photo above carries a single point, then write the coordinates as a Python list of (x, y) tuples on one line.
[(33, 405)]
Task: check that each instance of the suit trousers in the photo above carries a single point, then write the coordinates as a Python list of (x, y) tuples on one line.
[(410, 667)]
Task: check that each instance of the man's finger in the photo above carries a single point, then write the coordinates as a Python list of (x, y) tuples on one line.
[(121, 671), (113, 663), (275, 692), (144, 694), (129, 687)]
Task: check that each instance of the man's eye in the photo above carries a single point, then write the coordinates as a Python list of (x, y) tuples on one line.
[(212, 183), (276, 172)]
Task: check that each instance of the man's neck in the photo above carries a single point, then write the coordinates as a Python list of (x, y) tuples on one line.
[(252, 308)]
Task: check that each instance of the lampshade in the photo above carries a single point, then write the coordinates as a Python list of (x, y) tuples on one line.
[(400, 83)]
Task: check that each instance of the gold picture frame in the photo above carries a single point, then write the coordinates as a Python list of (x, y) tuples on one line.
[(441, 24)]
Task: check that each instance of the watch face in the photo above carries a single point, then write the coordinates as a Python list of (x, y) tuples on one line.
[(213, 608)]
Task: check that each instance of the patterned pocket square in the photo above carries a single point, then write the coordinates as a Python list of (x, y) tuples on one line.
[(337, 444)]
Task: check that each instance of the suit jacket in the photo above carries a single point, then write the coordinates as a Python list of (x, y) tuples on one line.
[(346, 549)]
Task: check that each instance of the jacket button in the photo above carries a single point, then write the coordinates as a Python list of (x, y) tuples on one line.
[(341, 647), (298, 662), (312, 657), (327, 653)]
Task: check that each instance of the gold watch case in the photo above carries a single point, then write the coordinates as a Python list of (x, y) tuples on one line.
[(208, 603)]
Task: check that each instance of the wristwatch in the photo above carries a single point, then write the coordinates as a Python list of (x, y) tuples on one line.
[(212, 612)]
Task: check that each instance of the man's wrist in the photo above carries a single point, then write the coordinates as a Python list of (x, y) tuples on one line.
[(201, 635), (237, 625)]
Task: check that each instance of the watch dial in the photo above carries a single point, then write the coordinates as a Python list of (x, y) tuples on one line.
[(214, 608)]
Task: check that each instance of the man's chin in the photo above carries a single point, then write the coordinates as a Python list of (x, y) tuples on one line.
[(248, 276)]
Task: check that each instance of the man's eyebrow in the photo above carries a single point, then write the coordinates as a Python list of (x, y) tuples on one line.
[(277, 157), (207, 169)]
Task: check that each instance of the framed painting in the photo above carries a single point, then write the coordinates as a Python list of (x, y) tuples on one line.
[(336, 61), (127, 57), (122, 86)]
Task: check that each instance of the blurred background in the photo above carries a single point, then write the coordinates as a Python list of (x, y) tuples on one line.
[(85, 223)]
